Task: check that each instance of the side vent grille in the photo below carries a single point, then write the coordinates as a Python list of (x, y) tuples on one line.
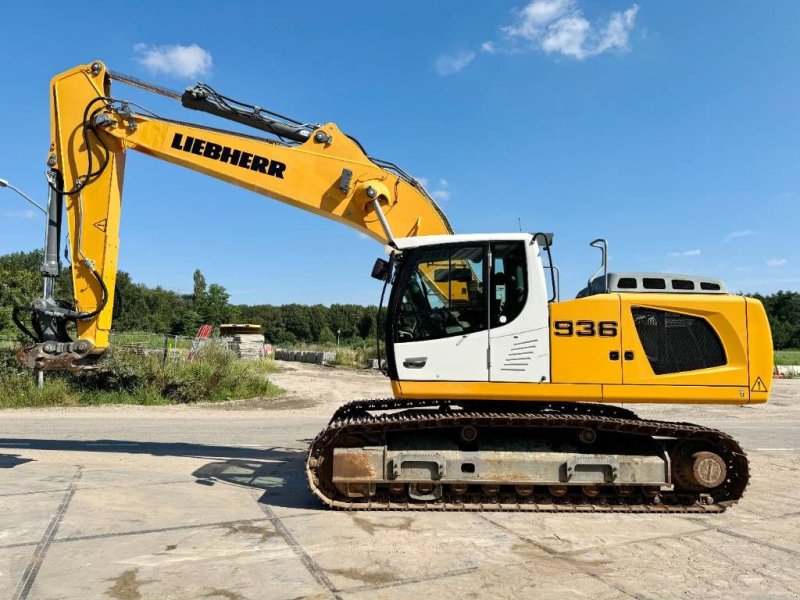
[(520, 355), (674, 342)]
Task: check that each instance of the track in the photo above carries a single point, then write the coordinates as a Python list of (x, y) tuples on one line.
[(360, 419)]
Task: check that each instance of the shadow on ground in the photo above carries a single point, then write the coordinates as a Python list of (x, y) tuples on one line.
[(9, 461), (280, 472)]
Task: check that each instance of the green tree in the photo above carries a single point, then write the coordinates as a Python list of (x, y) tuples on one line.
[(326, 336), (199, 290), (215, 309), (783, 311), (188, 323)]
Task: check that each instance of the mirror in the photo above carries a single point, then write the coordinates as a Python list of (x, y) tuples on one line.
[(381, 270)]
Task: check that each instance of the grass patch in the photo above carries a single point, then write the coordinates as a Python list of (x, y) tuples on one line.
[(129, 378), (153, 341), (787, 357)]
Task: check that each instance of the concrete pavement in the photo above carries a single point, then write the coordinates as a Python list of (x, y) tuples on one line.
[(211, 502)]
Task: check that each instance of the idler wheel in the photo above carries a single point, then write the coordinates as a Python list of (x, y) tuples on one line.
[(697, 469), (708, 469)]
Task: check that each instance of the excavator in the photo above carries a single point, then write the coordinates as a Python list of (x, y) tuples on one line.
[(505, 397)]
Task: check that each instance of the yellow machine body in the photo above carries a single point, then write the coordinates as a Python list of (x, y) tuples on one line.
[(582, 370)]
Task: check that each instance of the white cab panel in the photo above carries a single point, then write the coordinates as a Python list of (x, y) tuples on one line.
[(459, 358), (521, 356), (520, 350)]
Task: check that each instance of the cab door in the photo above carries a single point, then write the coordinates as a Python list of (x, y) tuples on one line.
[(518, 337), (440, 329)]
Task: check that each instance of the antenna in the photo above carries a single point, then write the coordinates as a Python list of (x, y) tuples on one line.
[(519, 224)]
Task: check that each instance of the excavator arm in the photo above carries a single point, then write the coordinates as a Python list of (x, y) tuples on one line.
[(317, 168)]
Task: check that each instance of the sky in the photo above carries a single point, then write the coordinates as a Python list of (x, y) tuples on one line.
[(669, 128)]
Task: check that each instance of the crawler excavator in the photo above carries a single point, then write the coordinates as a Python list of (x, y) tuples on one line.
[(505, 396)]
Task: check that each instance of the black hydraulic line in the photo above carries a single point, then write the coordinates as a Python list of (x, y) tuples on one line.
[(20, 325), (203, 98), (103, 301), (90, 175)]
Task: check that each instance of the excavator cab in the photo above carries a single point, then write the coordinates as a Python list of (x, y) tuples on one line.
[(468, 308)]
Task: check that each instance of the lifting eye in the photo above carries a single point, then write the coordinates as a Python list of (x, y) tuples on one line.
[(467, 467)]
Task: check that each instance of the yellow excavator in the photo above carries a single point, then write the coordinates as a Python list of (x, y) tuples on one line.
[(505, 396)]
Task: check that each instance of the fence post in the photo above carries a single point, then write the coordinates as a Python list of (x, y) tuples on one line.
[(166, 347)]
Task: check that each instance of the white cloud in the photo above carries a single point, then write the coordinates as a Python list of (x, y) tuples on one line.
[(177, 61), (20, 214), (450, 64), (777, 262), (738, 234), (488, 47), (438, 191), (695, 252), (560, 27)]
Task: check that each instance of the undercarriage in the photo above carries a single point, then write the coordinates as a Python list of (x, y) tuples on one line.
[(440, 455)]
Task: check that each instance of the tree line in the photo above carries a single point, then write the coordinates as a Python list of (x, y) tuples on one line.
[(138, 307)]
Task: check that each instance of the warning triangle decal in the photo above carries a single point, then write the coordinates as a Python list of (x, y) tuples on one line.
[(758, 386)]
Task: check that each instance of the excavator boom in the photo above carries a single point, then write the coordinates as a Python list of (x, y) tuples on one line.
[(317, 168)]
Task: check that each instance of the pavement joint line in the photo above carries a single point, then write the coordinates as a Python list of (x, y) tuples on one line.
[(756, 541), (638, 541), (18, 545), (99, 536), (560, 556), (32, 493), (39, 553), (759, 520), (309, 563)]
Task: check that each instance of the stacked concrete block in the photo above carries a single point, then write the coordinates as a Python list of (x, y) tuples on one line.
[(247, 346), (305, 356)]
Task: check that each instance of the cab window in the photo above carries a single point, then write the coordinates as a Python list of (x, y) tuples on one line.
[(444, 294), (509, 282)]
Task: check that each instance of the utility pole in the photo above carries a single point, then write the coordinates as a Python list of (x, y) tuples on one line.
[(4, 184)]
